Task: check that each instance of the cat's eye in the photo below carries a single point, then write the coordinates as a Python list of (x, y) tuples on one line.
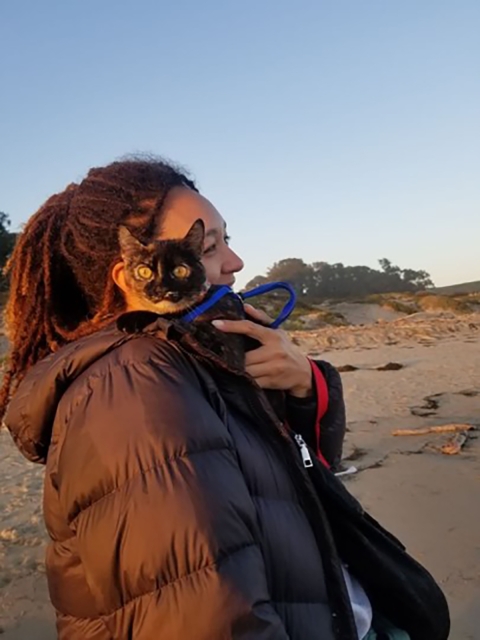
[(143, 272), (181, 272)]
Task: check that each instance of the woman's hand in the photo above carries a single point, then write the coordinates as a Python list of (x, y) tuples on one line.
[(277, 363)]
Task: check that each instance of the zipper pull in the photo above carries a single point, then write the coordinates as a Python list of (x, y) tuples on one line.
[(306, 457)]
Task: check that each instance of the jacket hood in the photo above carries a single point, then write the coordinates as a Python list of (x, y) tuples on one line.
[(31, 412)]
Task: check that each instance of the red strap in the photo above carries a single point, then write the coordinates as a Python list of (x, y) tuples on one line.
[(322, 406)]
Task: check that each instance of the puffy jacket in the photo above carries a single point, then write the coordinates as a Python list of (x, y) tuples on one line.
[(178, 507)]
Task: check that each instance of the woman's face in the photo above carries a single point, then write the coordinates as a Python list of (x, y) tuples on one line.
[(182, 207)]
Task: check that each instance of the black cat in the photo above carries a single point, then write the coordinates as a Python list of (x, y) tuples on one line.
[(166, 277)]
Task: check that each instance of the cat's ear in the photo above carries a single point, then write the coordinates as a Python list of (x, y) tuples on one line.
[(129, 245), (196, 236)]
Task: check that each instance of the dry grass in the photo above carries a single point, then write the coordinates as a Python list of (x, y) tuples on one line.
[(399, 302), (400, 307), (410, 303), (470, 298), (431, 302), (317, 318), (304, 316)]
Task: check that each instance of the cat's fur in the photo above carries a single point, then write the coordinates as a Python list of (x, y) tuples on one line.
[(163, 292)]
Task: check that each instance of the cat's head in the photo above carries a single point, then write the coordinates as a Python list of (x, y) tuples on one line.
[(166, 276)]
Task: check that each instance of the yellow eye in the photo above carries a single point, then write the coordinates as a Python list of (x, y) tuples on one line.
[(143, 272), (181, 272)]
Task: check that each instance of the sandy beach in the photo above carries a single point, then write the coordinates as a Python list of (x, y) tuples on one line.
[(427, 498)]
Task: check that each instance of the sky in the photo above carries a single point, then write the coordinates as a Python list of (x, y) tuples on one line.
[(329, 130)]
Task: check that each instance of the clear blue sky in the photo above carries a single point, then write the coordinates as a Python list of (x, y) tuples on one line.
[(336, 130)]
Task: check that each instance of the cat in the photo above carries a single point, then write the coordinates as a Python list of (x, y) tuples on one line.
[(166, 277)]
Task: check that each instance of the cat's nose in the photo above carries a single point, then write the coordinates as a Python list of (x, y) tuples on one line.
[(173, 296)]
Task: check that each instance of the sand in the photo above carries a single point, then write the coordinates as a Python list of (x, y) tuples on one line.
[(428, 499)]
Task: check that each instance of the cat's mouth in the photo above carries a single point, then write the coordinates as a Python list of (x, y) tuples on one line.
[(169, 307)]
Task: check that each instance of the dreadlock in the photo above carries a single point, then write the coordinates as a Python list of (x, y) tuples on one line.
[(60, 284)]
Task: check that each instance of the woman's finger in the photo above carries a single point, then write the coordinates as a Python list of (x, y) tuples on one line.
[(258, 356), (260, 370), (246, 328), (258, 314)]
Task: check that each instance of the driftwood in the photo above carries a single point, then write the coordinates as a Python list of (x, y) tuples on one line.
[(347, 472), (390, 366), (454, 446), (346, 368), (445, 428)]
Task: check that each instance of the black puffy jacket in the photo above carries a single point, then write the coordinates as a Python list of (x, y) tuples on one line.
[(178, 506)]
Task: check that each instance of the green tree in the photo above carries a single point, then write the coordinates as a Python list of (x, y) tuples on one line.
[(417, 280), (7, 242)]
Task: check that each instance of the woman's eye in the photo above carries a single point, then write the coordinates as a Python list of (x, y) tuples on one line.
[(143, 272), (181, 272), (213, 247), (209, 249)]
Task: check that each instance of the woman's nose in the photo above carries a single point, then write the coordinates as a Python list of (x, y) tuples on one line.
[(233, 262)]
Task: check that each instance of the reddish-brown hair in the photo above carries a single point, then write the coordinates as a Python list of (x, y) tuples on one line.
[(60, 282)]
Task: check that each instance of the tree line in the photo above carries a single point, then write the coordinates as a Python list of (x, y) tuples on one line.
[(319, 280)]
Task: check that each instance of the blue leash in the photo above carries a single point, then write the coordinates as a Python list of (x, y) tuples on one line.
[(257, 291), (209, 302), (271, 286)]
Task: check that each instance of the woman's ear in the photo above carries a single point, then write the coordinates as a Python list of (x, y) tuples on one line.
[(118, 275)]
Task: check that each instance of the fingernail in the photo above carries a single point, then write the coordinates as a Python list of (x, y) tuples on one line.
[(219, 324)]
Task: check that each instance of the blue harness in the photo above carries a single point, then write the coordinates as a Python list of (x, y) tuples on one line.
[(257, 291)]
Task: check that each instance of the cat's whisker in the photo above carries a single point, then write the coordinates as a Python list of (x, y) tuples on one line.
[(164, 273), (189, 307)]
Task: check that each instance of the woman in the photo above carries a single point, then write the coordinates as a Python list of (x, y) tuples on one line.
[(175, 499)]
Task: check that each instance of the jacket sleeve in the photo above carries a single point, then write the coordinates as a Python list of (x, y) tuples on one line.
[(163, 520), (321, 420), (333, 424)]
